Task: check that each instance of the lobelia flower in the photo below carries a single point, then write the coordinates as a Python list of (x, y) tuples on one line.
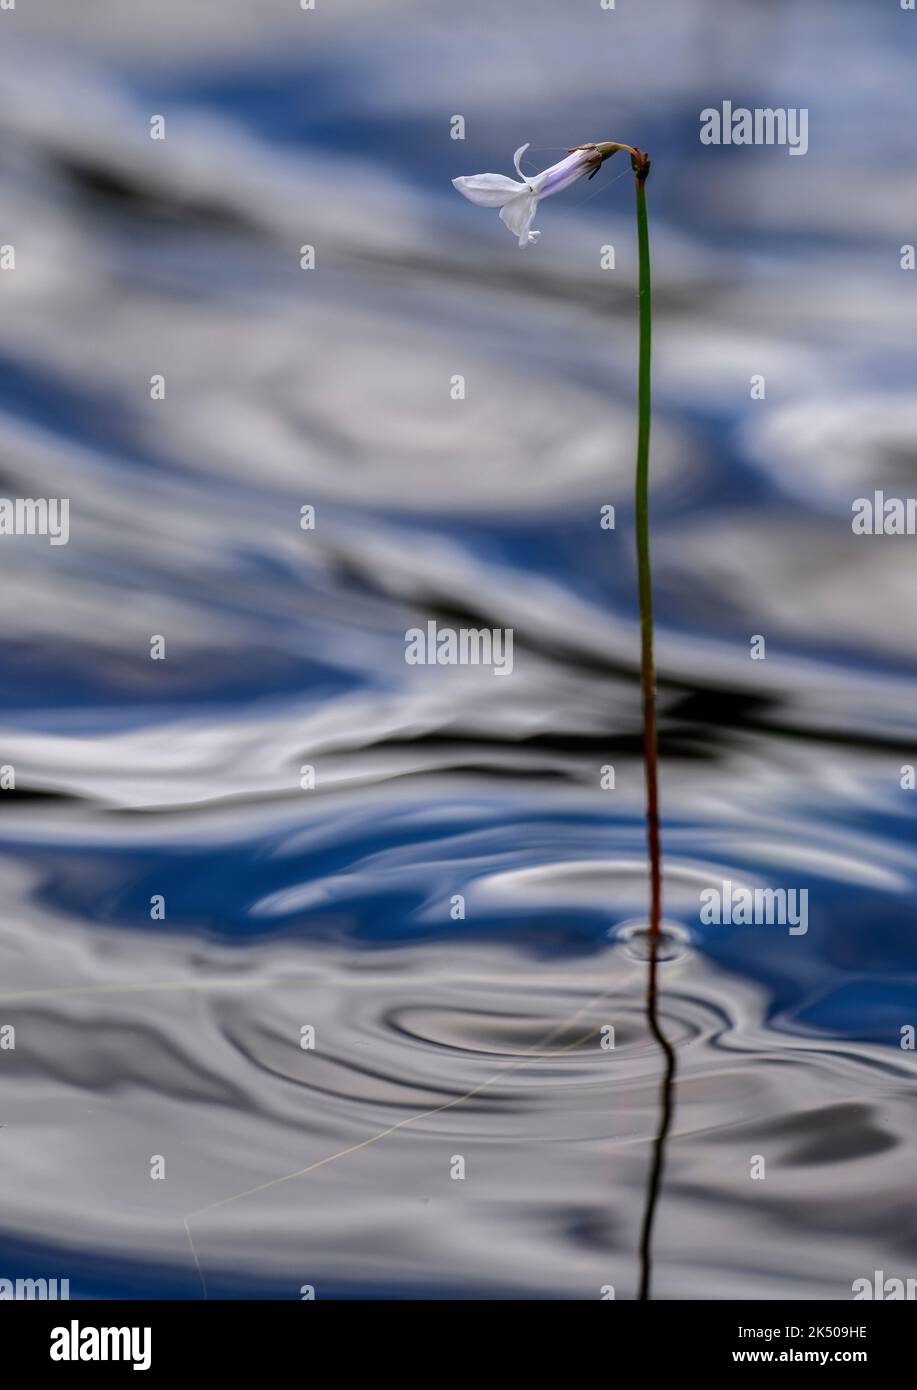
[(518, 201)]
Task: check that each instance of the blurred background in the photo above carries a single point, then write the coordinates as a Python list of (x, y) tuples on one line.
[(166, 1037)]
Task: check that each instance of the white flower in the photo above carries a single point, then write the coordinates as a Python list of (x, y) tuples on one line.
[(517, 201)]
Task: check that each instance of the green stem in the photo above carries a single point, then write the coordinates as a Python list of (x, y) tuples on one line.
[(650, 756), (647, 669)]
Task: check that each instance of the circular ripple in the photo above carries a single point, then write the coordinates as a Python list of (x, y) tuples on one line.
[(634, 938)]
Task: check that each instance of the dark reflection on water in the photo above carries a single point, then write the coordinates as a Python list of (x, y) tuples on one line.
[(439, 1035), (666, 1114)]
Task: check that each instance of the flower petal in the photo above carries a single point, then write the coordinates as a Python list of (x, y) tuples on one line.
[(517, 160), (565, 173), (518, 215), (488, 190)]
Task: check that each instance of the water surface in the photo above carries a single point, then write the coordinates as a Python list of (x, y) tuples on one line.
[(333, 909)]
